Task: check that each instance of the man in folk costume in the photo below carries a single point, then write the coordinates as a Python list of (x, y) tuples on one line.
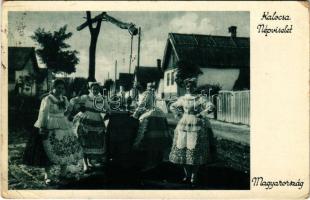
[(153, 133), (90, 125)]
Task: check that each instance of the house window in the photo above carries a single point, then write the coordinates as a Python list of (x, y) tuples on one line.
[(168, 78), (172, 78)]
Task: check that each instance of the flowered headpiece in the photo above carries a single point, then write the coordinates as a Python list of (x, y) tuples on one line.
[(190, 80)]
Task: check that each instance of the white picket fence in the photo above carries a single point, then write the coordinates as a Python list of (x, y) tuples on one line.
[(234, 106)]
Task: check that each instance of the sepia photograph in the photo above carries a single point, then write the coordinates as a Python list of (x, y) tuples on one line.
[(155, 99), (129, 100)]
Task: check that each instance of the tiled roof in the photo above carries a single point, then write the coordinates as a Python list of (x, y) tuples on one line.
[(209, 51), (126, 80), (18, 58)]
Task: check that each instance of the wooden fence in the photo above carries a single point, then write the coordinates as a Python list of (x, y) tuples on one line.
[(234, 106)]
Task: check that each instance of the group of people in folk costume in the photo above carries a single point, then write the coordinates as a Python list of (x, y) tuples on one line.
[(72, 145)]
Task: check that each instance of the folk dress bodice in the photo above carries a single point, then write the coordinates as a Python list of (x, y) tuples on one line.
[(191, 139), (51, 114), (191, 105), (146, 103), (191, 108), (93, 112)]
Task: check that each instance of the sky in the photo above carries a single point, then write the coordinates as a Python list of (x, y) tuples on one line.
[(114, 43)]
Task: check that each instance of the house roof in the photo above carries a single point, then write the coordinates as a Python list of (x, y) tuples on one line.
[(146, 74), (18, 58), (126, 80), (209, 50)]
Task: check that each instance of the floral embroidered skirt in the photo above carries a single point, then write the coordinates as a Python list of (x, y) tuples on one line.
[(62, 147), (92, 137), (190, 143)]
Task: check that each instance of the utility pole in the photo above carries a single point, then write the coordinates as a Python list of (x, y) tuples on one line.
[(115, 74), (130, 56), (139, 42), (134, 90), (115, 70)]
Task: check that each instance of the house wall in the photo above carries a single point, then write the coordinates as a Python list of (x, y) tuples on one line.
[(171, 89), (172, 61), (160, 89), (20, 73), (226, 78), (169, 85), (27, 71)]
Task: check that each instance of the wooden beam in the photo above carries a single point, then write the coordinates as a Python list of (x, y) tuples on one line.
[(93, 20)]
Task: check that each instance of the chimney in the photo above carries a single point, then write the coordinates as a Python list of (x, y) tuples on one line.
[(158, 63), (233, 31)]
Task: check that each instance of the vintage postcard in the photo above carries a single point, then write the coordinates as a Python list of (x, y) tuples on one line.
[(155, 99)]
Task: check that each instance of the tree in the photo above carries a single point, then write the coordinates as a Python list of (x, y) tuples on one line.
[(54, 51), (186, 69)]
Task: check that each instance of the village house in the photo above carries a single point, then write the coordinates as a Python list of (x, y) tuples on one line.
[(148, 74), (224, 61), (25, 76), (125, 81)]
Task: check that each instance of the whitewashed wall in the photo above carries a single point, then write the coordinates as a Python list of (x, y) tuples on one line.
[(226, 78), (28, 69), (169, 88)]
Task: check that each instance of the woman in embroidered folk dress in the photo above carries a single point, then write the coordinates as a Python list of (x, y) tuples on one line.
[(91, 127), (153, 133), (60, 144), (191, 145)]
